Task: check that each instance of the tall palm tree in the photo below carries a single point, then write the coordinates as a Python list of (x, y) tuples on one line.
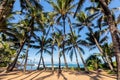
[(94, 40), (21, 45), (108, 52), (113, 30), (114, 33), (51, 25), (75, 43), (52, 49), (59, 41), (30, 7), (26, 56), (44, 46), (94, 37), (71, 48), (62, 9)]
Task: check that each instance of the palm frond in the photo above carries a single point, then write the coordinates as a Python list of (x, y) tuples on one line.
[(80, 4)]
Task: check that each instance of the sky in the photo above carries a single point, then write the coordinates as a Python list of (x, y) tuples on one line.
[(47, 58)]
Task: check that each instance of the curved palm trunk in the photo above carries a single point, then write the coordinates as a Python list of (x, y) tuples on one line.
[(110, 58), (52, 50), (41, 59), (76, 58), (85, 66), (114, 33), (39, 62), (12, 65), (65, 61), (43, 63), (26, 57), (52, 59), (106, 56)]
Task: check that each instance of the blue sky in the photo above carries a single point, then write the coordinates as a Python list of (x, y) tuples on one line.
[(47, 58)]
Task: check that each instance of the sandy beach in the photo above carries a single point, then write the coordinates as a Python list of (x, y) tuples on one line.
[(48, 75)]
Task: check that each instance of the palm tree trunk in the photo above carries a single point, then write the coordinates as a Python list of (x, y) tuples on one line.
[(114, 33), (52, 59), (12, 65), (26, 57), (109, 62), (76, 58), (105, 61), (59, 68), (85, 66), (39, 61), (43, 63), (102, 52), (65, 61), (52, 49)]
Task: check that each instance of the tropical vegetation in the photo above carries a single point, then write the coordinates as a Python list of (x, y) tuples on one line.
[(67, 28)]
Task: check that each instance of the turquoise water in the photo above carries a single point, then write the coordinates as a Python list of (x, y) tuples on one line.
[(49, 65)]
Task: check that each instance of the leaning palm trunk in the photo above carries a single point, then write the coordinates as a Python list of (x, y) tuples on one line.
[(39, 62), (26, 57), (43, 63), (110, 58), (52, 59), (85, 66), (12, 65), (106, 56), (76, 58), (52, 49), (65, 61), (114, 33), (109, 61)]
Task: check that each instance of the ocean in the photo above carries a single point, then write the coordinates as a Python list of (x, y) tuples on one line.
[(34, 66)]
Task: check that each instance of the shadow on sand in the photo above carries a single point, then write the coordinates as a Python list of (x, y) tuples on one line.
[(36, 75), (61, 74)]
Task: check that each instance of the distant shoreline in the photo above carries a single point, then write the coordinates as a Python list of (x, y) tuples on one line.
[(34, 66)]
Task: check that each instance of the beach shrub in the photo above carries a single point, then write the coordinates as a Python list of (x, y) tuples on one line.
[(3, 64), (93, 62)]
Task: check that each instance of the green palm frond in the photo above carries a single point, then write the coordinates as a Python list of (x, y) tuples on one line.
[(80, 4)]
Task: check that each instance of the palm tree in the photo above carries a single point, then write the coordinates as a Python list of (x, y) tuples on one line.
[(71, 48), (114, 33), (59, 41), (94, 37), (12, 65), (94, 40), (108, 52), (51, 25), (75, 43), (26, 56), (29, 27), (62, 9), (113, 30), (52, 49), (44, 45)]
